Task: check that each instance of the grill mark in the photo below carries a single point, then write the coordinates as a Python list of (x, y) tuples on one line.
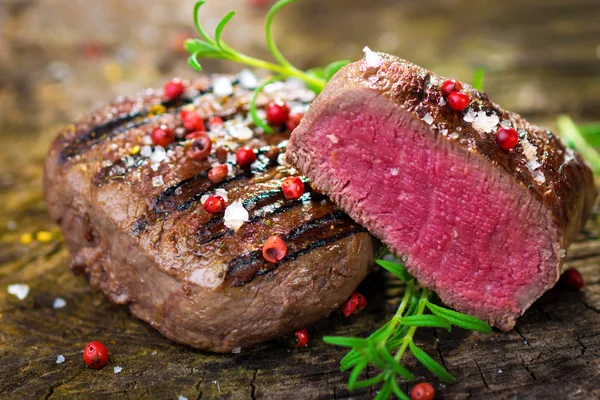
[(215, 228), (300, 241), (114, 127), (192, 189)]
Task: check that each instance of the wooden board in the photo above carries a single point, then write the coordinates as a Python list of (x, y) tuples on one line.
[(547, 57)]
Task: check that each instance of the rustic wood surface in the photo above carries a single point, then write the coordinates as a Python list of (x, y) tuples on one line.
[(59, 58)]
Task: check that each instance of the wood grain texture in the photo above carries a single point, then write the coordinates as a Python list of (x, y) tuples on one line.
[(542, 58)]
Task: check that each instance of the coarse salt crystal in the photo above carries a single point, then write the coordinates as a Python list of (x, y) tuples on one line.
[(113, 146), (154, 353), (158, 155), (157, 181), (469, 116), (444, 132), (334, 139), (146, 151), (499, 371), (240, 132), (237, 350), (60, 359), (222, 87), (538, 176), (235, 215), (248, 79), (59, 302), (442, 102), (117, 369), (529, 150), (182, 398), (147, 140), (154, 166), (222, 193), (372, 58), (180, 132), (562, 253), (485, 123), (428, 118), (569, 156), (21, 290), (204, 198), (454, 135), (394, 171), (506, 123), (533, 165)]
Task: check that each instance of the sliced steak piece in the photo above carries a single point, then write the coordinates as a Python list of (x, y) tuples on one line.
[(133, 219), (486, 228)]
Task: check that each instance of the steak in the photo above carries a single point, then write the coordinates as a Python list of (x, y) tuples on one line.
[(486, 228), (133, 219)]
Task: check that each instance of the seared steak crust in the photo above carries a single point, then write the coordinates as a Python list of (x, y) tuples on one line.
[(542, 182), (133, 219)]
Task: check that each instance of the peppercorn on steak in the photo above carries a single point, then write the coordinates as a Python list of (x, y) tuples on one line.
[(167, 201)]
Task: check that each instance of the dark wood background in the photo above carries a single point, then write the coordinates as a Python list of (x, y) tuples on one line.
[(60, 58)]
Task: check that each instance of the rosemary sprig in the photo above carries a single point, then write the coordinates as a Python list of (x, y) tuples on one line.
[(583, 138), (385, 348), (209, 47)]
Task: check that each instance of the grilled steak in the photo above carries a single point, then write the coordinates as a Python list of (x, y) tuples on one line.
[(133, 219), (486, 228)]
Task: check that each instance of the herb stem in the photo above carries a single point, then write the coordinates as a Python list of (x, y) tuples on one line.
[(575, 139), (411, 332)]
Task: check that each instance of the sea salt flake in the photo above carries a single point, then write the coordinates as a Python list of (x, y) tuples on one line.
[(60, 359), (235, 215), (334, 139), (147, 140), (59, 302), (454, 135), (117, 369), (506, 123), (146, 151), (248, 79), (562, 253), (154, 353), (222, 193), (485, 123), (469, 116), (240, 132), (182, 398), (428, 118), (204, 198), (394, 171), (442, 102), (237, 350), (372, 58), (158, 155), (222, 87), (154, 167), (529, 150), (538, 176), (157, 181), (533, 165), (499, 371), (569, 156), (21, 290)]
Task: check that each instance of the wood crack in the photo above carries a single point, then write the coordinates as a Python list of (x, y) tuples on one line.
[(483, 379), (252, 386)]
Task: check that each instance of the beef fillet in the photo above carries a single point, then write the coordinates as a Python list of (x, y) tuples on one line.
[(486, 228), (133, 219)]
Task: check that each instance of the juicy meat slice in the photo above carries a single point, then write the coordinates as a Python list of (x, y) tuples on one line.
[(133, 219), (486, 228)]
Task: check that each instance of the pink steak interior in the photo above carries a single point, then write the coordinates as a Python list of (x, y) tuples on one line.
[(464, 227)]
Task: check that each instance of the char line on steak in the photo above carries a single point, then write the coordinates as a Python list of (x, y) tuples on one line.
[(176, 266), (484, 227)]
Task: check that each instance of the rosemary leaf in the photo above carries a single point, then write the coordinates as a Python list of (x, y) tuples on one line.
[(478, 78), (459, 319), (219, 30), (427, 321), (396, 269), (433, 366)]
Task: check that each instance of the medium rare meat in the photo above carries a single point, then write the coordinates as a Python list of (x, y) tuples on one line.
[(133, 219), (484, 227)]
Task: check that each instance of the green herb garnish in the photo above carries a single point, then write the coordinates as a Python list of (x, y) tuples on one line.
[(385, 348), (209, 47), (583, 138), (478, 77)]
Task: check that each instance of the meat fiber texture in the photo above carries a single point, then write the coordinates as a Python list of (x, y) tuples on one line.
[(133, 220), (486, 228)]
